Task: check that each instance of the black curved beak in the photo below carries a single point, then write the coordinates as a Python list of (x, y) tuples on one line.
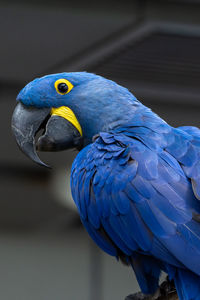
[(59, 134)]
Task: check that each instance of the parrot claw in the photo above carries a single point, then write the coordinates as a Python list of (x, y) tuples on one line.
[(166, 291), (141, 296), (137, 296)]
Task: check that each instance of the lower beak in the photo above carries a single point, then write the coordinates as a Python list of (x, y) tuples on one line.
[(59, 134)]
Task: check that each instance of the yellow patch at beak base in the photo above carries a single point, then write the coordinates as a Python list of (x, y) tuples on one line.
[(66, 113)]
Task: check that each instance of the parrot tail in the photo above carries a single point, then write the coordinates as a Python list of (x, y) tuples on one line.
[(187, 284)]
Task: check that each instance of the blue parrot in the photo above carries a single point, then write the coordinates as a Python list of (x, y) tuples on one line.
[(136, 179)]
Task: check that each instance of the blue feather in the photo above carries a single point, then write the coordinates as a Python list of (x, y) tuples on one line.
[(158, 223), (103, 243), (187, 285), (147, 271), (137, 229), (115, 237), (122, 232)]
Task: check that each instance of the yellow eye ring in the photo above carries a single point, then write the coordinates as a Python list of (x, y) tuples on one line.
[(63, 86)]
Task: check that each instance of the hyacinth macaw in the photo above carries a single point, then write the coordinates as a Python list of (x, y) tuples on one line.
[(136, 179)]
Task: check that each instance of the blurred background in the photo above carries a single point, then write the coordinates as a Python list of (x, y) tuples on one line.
[(151, 47)]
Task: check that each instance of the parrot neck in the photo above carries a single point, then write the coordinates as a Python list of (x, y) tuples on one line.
[(145, 126), (131, 119), (141, 116)]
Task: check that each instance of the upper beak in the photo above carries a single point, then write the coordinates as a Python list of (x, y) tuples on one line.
[(59, 134)]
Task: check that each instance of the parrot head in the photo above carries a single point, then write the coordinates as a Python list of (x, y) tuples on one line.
[(70, 108)]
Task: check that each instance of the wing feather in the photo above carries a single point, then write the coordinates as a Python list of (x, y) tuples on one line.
[(141, 198)]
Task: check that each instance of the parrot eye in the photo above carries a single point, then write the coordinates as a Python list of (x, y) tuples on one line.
[(63, 86)]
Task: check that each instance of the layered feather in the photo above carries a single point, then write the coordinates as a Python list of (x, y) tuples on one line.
[(137, 187)]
